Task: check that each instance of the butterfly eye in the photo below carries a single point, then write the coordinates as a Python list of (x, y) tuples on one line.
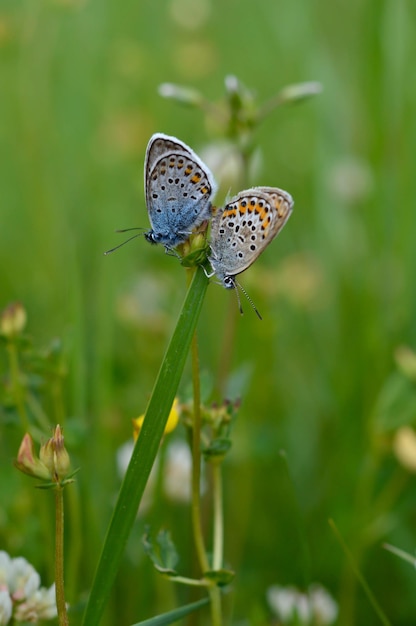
[(229, 282)]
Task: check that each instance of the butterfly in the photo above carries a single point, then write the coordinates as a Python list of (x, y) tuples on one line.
[(179, 188), (244, 228)]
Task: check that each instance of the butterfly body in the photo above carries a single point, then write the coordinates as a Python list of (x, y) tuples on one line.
[(244, 228), (179, 188)]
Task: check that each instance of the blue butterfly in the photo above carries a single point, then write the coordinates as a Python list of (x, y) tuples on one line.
[(179, 188)]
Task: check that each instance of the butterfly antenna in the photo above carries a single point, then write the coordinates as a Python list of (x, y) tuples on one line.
[(240, 308), (126, 230), (248, 298), (124, 242)]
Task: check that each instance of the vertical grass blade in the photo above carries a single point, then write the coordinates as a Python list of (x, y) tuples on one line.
[(146, 449)]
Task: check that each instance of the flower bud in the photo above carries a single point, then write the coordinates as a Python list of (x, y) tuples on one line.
[(28, 463), (54, 456)]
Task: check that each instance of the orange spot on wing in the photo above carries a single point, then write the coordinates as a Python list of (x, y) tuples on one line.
[(262, 213), (230, 213)]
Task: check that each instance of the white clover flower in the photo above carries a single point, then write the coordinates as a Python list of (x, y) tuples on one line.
[(178, 472), (41, 605), (24, 579), (20, 595), (6, 607), (123, 456), (288, 603), (324, 607), (315, 607), (5, 565)]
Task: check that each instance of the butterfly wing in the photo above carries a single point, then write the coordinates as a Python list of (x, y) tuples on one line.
[(179, 188), (246, 226)]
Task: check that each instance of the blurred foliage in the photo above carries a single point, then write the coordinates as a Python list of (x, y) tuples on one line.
[(317, 378)]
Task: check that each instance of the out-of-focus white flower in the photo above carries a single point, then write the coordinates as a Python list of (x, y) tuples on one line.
[(123, 459), (5, 565), (20, 593), (22, 580), (6, 607), (177, 472), (288, 603), (177, 479), (324, 607), (41, 605), (225, 160), (315, 607), (123, 456)]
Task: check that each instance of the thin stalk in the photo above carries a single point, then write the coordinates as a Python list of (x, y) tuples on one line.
[(218, 542), (214, 592), (74, 556), (17, 386), (215, 604), (196, 460), (190, 582), (59, 557)]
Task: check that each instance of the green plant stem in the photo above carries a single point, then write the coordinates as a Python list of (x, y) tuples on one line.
[(15, 376), (215, 600), (59, 557), (74, 556), (218, 542), (214, 592), (196, 460), (190, 582)]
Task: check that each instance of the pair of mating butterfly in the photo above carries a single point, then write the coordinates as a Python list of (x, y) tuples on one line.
[(179, 189)]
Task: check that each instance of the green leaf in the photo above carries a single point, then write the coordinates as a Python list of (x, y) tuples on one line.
[(173, 616), (145, 450), (162, 552)]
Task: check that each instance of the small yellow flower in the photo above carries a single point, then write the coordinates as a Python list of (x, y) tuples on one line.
[(171, 424)]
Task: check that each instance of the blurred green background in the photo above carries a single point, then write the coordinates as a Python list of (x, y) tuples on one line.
[(79, 101)]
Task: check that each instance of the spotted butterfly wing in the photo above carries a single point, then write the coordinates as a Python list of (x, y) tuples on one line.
[(179, 188), (244, 228)]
